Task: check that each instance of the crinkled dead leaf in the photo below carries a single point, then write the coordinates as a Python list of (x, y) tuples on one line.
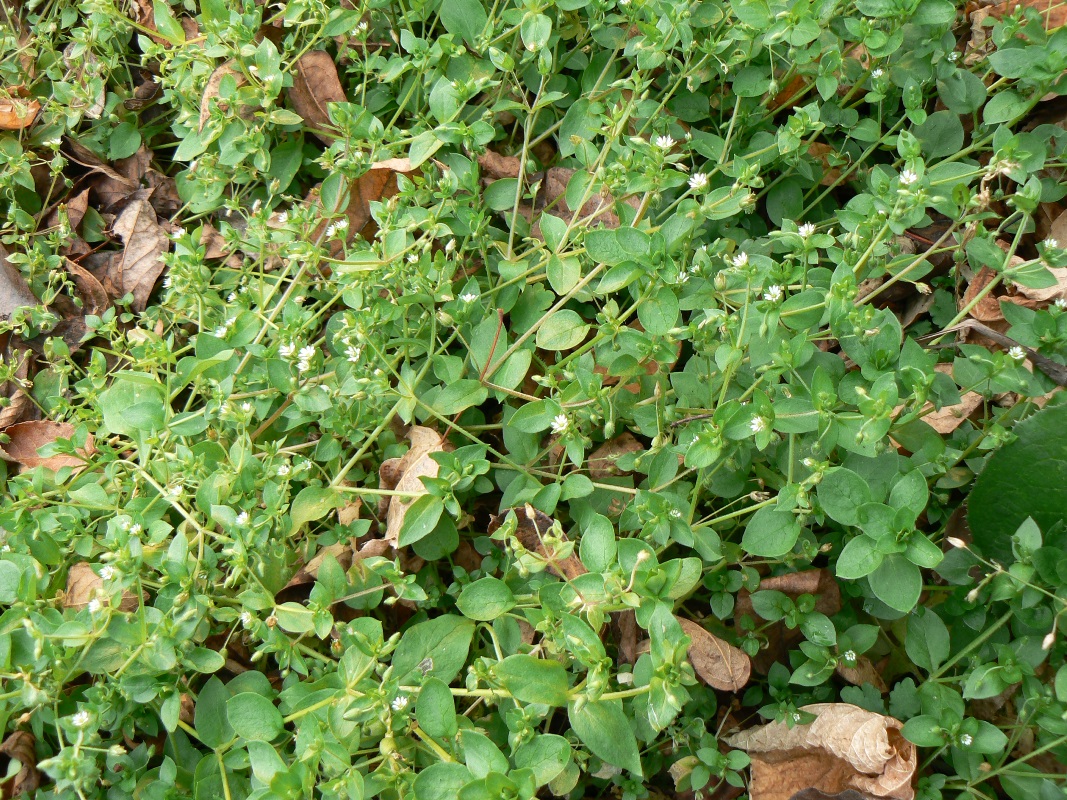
[(17, 113), (142, 259), (377, 183), (948, 418), (404, 474), (210, 98), (94, 296), (19, 403), (603, 462), (315, 84), (14, 291), (719, 664), (84, 585), (530, 532), (19, 746), (1052, 12), (26, 439), (845, 748)]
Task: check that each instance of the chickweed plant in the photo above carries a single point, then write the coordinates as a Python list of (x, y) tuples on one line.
[(498, 353)]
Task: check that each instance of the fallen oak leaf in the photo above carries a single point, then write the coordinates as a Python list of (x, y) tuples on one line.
[(719, 664), (27, 438), (142, 260), (20, 747), (404, 475), (316, 84), (844, 748)]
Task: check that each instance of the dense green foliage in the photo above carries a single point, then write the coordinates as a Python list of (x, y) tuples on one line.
[(725, 313)]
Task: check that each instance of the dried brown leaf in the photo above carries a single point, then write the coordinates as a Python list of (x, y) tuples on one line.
[(378, 183), (404, 475), (861, 672), (817, 582), (845, 748), (1053, 12), (20, 746), (210, 97), (495, 166), (719, 664), (26, 438), (94, 297), (84, 585), (315, 84), (602, 462), (17, 113), (988, 308), (145, 242), (530, 532), (14, 291), (948, 418)]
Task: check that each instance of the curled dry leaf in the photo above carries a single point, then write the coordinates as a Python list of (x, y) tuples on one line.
[(377, 183), (17, 113), (533, 525), (20, 747), (846, 748), (14, 291), (1052, 12), (404, 475), (83, 585), (861, 672), (602, 462), (719, 664), (315, 84), (20, 403), (214, 84), (142, 261), (26, 439)]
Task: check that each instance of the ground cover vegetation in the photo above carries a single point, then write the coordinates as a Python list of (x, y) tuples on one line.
[(586, 398)]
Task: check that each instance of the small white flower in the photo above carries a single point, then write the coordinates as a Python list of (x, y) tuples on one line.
[(221, 331), (697, 181), (796, 717), (560, 423), (135, 529), (450, 245), (362, 26), (283, 470), (740, 259), (878, 73), (954, 56), (1051, 244), (95, 605), (972, 595), (806, 230), (664, 142), (773, 294), (246, 619), (246, 407), (167, 282), (231, 297), (955, 541), (352, 353), (331, 231), (757, 424), (1061, 302), (412, 258), (178, 232), (908, 177), (287, 350), (283, 217), (80, 720), (683, 276), (849, 656), (307, 352), (400, 702), (675, 513), (469, 297), (257, 204), (1049, 640), (242, 519), (107, 572), (193, 163), (966, 740), (1016, 353)]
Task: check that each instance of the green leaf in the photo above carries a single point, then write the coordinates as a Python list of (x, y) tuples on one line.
[(534, 680), (603, 728), (465, 18), (841, 492), (897, 582), (10, 577), (481, 755), (924, 731), (1024, 478), (1004, 107), (420, 518), (311, 504), (561, 331), (209, 714), (927, 640), (295, 618), (441, 781), (459, 396), (436, 648), (165, 22), (485, 599), (602, 245), (546, 756), (770, 533), (253, 716), (435, 710)]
